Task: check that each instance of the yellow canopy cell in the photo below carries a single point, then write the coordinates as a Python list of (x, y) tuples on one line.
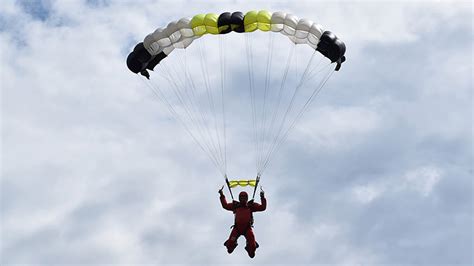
[(198, 26), (264, 19), (210, 21), (250, 21)]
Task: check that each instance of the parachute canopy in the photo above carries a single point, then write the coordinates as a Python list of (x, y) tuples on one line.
[(180, 34), (204, 90)]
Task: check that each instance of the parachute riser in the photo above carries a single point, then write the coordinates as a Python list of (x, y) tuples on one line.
[(228, 186), (256, 185)]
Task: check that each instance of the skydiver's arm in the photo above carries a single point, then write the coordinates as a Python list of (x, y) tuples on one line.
[(260, 207), (225, 205)]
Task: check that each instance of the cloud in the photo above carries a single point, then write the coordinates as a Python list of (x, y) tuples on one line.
[(338, 128), (37, 9), (94, 171), (423, 179), (367, 193)]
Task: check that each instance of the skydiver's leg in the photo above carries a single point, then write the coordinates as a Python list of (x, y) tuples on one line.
[(231, 243), (251, 244)]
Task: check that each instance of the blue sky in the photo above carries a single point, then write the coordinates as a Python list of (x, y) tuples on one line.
[(378, 171)]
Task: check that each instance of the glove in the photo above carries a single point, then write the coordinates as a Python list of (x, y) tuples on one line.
[(220, 191), (262, 194)]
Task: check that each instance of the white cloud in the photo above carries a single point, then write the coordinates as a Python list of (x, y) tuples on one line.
[(337, 127), (367, 193), (423, 179), (326, 232), (94, 171)]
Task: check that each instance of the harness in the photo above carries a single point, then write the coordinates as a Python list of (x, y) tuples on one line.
[(250, 225)]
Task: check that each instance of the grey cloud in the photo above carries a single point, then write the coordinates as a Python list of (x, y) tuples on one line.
[(95, 172)]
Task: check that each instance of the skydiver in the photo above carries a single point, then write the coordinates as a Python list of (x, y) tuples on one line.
[(243, 222)]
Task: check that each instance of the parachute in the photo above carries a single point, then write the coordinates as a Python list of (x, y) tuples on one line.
[(201, 80)]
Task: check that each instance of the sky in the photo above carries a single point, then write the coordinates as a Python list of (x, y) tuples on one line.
[(95, 172)]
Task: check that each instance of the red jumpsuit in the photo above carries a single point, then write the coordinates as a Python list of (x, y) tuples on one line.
[(243, 222)]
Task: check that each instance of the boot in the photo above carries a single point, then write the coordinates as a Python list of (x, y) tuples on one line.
[(230, 246), (250, 252)]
